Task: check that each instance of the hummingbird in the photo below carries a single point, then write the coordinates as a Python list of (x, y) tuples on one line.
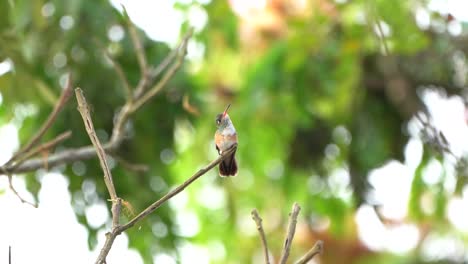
[(225, 138)]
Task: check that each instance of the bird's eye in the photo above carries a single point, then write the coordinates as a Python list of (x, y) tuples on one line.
[(218, 121)]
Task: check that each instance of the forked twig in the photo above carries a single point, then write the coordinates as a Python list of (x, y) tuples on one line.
[(65, 95), (182, 51), (12, 188)]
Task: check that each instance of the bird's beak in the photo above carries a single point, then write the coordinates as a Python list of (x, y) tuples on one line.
[(225, 111)]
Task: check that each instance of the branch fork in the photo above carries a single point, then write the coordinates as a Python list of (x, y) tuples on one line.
[(316, 249)]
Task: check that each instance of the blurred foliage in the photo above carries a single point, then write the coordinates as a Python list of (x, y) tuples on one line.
[(312, 98)]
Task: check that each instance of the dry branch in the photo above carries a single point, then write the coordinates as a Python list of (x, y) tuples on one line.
[(133, 103), (84, 111), (65, 95), (138, 168), (316, 249), (290, 233), (137, 44), (116, 201), (175, 191), (12, 188), (110, 237), (258, 221), (86, 152), (43, 147), (182, 51), (120, 73)]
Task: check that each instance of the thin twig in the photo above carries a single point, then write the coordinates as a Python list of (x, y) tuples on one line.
[(116, 201), (316, 249), (137, 44), (43, 147), (166, 77), (170, 57), (120, 73), (64, 156), (65, 95), (139, 168), (175, 191), (155, 72), (9, 254), (12, 188), (116, 206), (110, 237), (86, 152), (84, 111), (258, 221), (290, 233)]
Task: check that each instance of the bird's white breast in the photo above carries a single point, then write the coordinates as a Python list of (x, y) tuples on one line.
[(229, 130)]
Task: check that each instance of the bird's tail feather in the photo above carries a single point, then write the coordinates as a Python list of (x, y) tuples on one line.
[(228, 167)]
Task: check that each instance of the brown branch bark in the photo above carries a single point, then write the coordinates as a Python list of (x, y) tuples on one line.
[(12, 188), (258, 221), (175, 191), (130, 107), (43, 147), (86, 152), (65, 156), (84, 111), (315, 250), (120, 73), (116, 201), (65, 95), (137, 44), (110, 237), (290, 233), (182, 51)]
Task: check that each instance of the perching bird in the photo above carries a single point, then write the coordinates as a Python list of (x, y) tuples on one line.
[(225, 138)]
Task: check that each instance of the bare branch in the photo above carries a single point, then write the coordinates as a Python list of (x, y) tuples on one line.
[(43, 147), (167, 76), (316, 249), (66, 93), (65, 156), (258, 221), (137, 44), (110, 237), (84, 111), (12, 188), (116, 206), (290, 233), (170, 57), (155, 72), (139, 168), (117, 230), (116, 201), (132, 106), (175, 191), (86, 152), (120, 73)]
